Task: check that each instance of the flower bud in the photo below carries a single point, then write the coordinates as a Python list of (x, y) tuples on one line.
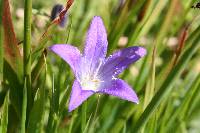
[(55, 12)]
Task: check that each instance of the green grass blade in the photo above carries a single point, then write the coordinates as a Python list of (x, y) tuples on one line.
[(63, 101), (194, 105), (24, 109), (87, 124), (50, 123), (118, 125), (27, 38), (150, 19), (165, 88), (74, 115), (165, 28), (38, 68), (1, 43), (35, 123), (4, 119), (27, 51), (83, 116), (149, 91), (185, 105), (122, 22), (15, 88)]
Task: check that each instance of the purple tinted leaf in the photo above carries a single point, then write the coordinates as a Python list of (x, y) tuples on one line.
[(78, 96), (120, 89), (12, 52), (96, 43), (120, 60), (69, 53)]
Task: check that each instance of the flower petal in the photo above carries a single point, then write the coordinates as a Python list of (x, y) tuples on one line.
[(69, 53), (120, 60), (96, 43), (78, 96), (120, 89)]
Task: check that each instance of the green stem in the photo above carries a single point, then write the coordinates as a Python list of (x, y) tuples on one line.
[(83, 116), (52, 114), (24, 107), (1, 42), (27, 50), (149, 91), (74, 115), (27, 37), (4, 113)]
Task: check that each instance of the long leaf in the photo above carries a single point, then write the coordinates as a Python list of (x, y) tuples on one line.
[(4, 120), (38, 110), (15, 87), (11, 53), (1, 44)]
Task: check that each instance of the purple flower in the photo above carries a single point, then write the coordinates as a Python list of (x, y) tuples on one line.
[(94, 72)]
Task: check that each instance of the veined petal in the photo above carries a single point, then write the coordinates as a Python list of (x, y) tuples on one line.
[(96, 43), (68, 53), (78, 96), (120, 89), (120, 60)]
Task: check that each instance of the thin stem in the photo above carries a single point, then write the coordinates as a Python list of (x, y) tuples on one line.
[(98, 102), (74, 115), (51, 119), (1, 42), (83, 116), (24, 107), (27, 37), (27, 50)]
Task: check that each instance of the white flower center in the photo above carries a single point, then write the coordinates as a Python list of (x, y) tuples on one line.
[(89, 83), (89, 77)]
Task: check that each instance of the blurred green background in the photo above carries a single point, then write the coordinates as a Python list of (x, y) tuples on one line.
[(167, 80)]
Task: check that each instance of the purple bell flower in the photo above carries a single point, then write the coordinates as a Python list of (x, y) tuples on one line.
[(94, 72), (55, 12)]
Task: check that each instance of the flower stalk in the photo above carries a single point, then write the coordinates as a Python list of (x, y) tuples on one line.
[(27, 56), (27, 37), (1, 42)]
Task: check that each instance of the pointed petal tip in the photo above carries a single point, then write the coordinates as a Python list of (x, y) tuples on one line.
[(53, 47), (70, 109), (72, 106), (50, 47), (97, 18), (78, 96), (135, 99), (141, 51)]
